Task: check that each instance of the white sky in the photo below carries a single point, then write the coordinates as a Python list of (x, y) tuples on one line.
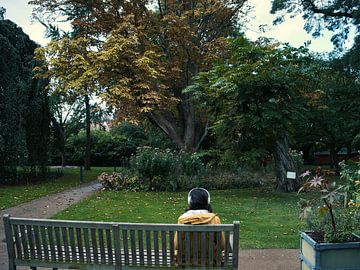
[(290, 31)]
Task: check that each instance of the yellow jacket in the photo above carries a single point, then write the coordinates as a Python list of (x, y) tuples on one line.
[(198, 217)]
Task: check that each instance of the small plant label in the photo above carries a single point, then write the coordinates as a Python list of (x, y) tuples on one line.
[(291, 175)]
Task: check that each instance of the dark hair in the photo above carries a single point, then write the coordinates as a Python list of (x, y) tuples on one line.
[(199, 200)]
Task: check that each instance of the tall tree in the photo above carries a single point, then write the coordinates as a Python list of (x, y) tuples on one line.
[(255, 98), (70, 64), (23, 105), (148, 52)]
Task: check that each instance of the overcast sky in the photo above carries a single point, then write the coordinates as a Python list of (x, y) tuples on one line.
[(290, 31)]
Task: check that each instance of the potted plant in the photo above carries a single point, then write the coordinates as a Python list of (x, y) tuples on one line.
[(330, 241)]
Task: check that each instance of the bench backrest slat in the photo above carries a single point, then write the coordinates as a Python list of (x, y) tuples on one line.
[(172, 248), (87, 245), (133, 247), (110, 246), (59, 246), (164, 248), (30, 239), (180, 247), (117, 247), (227, 248), (50, 231), (235, 244), (64, 243), (79, 240), (187, 248), (196, 249), (37, 242), (24, 242), (141, 247), (203, 248), (148, 248), (125, 246), (17, 242), (156, 247), (102, 245), (211, 247)]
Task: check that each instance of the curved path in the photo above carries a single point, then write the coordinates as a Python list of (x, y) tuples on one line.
[(254, 259), (44, 208)]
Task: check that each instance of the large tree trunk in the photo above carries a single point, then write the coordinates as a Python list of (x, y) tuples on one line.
[(184, 132), (283, 164), (87, 123)]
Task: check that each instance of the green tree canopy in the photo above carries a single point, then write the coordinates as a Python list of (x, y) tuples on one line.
[(23, 104), (255, 98), (147, 52)]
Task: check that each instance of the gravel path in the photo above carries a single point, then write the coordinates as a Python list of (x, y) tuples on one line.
[(257, 259), (44, 208)]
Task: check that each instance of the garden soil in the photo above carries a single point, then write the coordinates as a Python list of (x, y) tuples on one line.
[(258, 259)]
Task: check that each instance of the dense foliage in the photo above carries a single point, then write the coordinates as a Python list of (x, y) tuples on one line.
[(24, 111), (142, 54), (153, 169), (256, 98)]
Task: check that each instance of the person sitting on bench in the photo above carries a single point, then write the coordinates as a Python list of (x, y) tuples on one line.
[(199, 212)]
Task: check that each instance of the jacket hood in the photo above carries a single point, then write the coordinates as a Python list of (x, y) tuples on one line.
[(196, 217)]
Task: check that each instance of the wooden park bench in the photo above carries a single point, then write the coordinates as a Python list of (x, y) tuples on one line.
[(111, 245)]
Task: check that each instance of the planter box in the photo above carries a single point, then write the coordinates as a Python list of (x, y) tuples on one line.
[(328, 256)]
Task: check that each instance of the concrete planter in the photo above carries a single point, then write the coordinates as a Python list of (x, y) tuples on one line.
[(328, 256)]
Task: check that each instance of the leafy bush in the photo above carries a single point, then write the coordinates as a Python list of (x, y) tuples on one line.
[(190, 164), (107, 149), (211, 178), (121, 181), (134, 133), (155, 169), (154, 166)]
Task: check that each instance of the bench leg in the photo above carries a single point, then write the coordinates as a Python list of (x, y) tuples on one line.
[(32, 267)]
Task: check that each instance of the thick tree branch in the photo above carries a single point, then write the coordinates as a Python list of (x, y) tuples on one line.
[(331, 12)]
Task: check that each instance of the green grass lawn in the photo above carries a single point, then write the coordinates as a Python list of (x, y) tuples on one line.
[(14, 195), (267, 219)]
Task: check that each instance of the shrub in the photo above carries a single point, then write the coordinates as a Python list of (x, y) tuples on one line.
[(159, 170), (154, 166), (190, 164), (152, 162), (107, 149), (222, 179), (121, 181)]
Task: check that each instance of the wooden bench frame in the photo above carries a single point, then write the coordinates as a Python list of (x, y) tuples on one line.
[(111, 245)]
